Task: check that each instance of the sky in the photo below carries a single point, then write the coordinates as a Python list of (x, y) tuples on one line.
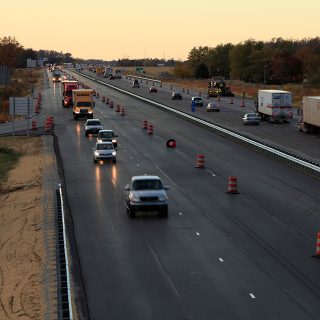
[(136, 29)]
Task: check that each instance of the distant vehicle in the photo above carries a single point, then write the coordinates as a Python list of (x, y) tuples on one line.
[(146, 193), (197, 100), (104, 151), (211, 107), (135, 84), (274, 105), (153, 89), (112, 77), (99, 71), (176, 96), (56, 75), (92, 126), (117, 73), (83, 103), (310, 121), (250, 119), (107, 135)]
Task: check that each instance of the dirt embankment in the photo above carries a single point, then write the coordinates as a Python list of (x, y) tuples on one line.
[(24, 290)]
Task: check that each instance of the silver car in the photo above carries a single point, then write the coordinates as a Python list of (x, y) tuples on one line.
[(107, 135), (103, 151), (146, 193), (92, 126), (250, 119)]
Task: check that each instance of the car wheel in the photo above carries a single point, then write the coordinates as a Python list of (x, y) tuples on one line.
[(132, 212), (86, 134), (114, 160), (164, 212), (95, 161)]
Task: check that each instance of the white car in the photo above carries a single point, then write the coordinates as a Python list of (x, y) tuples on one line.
[(92, 126), (198, 101), (104, 151)]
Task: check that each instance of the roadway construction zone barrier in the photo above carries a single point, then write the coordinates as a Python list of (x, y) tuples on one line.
[(233, 185), (49, 124), (122, 111), (118, 108), (218, 98), (97, 95), (103, 99), (200, 161), (317, 255), (34, 125), (145, 124), (231, 100), (242, 104), (36, 108), (171, 143), (111, 104), (94, 93), (150, 129), (107, 100)]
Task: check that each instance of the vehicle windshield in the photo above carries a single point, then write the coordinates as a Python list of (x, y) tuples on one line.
[(104, 146), (147, 185), (106, 134), (197, 99), (84, 104), (93, 123)]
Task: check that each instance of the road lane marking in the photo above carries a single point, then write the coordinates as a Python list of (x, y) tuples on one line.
[(252, 295), (221, 260), (197, 233), (213, 174), (180, 213)]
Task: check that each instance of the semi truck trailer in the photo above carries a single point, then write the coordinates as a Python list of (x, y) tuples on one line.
[(274, 105), (310, 118)]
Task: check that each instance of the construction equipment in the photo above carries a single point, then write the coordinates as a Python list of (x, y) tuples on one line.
[(217, 87)]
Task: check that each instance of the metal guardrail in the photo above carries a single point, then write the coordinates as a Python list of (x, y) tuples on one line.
[(289, 158), (63, 271)]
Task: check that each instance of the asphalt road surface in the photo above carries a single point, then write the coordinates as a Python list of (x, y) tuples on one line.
[(218, 255)]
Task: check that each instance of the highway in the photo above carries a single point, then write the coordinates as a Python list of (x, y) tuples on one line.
[(218, 255)]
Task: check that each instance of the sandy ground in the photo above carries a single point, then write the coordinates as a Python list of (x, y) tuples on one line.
[(27, 242)]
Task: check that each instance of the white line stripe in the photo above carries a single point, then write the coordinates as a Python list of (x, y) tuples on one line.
[(252, 295), (221, 260), (180, 213), (197, 233)]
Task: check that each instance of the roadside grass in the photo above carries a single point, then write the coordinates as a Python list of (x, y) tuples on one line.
[(8, 159), (20, 85)]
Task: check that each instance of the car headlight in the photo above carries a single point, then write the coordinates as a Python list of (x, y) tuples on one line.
[(114, 140), (90, 111), (96, 153), (134, 197), (77, 111), (163, 197), (114, 153)]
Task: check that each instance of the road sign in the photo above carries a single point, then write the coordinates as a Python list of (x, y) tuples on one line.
[(20, 106)]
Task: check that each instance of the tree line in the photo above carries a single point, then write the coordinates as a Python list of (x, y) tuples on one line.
[(277, 61)]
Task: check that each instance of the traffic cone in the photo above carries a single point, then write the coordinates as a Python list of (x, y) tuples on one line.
[(34, 125), (118, 108), (231, 100), (317, 255), (150, 129), (242, 103), (145, 124), (232, 185), (200, 161), (171, 143), (122, 111)]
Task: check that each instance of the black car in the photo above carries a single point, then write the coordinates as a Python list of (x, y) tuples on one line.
[(176, 96)]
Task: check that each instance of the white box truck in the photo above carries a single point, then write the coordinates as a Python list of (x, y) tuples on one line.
[(275, 105), (310, 119)]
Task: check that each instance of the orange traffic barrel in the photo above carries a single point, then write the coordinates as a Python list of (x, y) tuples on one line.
[(107, 100), (200, 161), (233, 185), (242, 103), (145, 124), (97, 94), (171, 143), (122, 111), (103, 99), (317, 255), (231, 100), (118, 108), (150, 129), (34, 125), (111, 104)]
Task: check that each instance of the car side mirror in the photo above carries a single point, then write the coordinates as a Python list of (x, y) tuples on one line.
[(127, 187)]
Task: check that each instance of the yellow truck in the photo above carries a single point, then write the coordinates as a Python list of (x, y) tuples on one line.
[(83, 103), (100, 71)]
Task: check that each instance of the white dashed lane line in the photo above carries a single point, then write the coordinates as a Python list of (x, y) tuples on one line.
[(221, 260), (197, 233), (252, 295)]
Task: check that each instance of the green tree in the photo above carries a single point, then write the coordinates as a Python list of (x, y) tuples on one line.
[(9, 49)]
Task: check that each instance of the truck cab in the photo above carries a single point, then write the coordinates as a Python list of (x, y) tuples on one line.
[(67, 87), (83, 103)]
